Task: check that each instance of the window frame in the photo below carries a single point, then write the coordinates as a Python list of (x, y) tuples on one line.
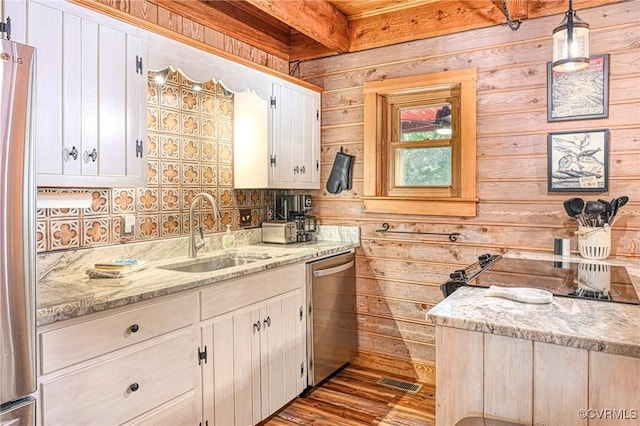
[(379, 194)]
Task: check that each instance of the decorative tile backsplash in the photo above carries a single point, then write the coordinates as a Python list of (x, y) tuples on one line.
[(189, 150)]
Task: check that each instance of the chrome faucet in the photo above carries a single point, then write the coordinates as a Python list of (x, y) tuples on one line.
[(193, 246)]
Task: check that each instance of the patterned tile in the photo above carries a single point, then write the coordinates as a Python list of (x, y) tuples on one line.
[(99, 203), (190, 125), (187, 196), (170, 199), (209, 128), (152, 145), (209, 221), (225, 129), (227, 219), (68, 213), (209, 151), (225, 107), (153, 118), (209, 175), (148, 200), (254, 198), (169, 96), (152, 172), (256, 217), (123, 200), (148, 226), (170, 173), (97, 231), (152, 90), (41, 236), (190, 174), (64, 234), (169, 147), (190, 148), (171, 225), (225, 176), (185, 222), (225, 153), (241, 197), (208, 105), (169, 122), (225, 199), (190, 100)]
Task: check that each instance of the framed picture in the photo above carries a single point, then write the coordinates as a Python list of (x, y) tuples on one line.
[(579, 95), (578, 161)]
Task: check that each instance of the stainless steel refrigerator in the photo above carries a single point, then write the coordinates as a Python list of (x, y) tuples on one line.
[(17, 235)]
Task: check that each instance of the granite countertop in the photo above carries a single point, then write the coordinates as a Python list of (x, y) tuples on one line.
[(65, 291), (586, 324)]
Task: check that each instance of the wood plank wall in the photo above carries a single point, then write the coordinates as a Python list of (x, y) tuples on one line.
[(160, 16), (398, 275)]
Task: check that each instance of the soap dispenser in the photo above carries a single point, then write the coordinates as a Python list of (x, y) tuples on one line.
[(228, 240)]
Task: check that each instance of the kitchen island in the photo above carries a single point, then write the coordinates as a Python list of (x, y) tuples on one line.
[(562, 363)]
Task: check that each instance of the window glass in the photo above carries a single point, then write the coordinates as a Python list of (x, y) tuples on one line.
[(423, 166), (425, 123)]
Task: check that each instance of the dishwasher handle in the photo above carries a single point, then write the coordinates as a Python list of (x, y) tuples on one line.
[(334, 270)]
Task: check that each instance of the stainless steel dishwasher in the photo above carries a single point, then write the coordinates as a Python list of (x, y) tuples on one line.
[(331, 323)]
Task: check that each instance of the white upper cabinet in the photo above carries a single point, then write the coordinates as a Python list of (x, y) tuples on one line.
[(277, 143), (295, 137), (16, 11), (90, 97)]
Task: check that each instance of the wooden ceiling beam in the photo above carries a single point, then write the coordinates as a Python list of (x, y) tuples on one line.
[(317, 19), (243, 29)]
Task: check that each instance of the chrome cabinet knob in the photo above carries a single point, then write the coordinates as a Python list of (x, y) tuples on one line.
[(73, 153), (134, 328), (134, 387), (93, 155)]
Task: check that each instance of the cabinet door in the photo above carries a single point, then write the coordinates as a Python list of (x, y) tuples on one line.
[(283, 356), (295, 141), (614, 389), (17, 11), (43, 22), (231, 375), (89, 99)]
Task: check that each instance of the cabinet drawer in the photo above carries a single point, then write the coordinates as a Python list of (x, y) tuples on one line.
[(182, 411), (103, 393), (66, 346), (250, 289)]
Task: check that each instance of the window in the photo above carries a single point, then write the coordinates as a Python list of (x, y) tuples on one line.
[(420, 155)]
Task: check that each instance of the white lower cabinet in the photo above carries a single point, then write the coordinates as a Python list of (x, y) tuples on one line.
[(532, 383), (257, 363), (157, 363), (133, 365)]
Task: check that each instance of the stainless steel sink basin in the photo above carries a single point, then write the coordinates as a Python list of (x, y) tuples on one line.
[(209, 264)]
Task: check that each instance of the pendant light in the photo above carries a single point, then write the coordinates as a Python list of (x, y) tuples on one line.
[(571, 43)]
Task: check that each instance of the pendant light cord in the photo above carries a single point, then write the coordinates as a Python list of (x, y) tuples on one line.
[(513, 25)]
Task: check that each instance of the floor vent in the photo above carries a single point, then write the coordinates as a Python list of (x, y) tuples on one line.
[(400, 384)]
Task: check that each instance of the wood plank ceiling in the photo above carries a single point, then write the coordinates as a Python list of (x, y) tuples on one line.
[(297, 30)]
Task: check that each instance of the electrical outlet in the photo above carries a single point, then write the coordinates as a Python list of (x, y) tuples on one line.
[(245, 217), (127, 225)]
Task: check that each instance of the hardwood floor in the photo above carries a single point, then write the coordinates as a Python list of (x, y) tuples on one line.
[(353, 398)]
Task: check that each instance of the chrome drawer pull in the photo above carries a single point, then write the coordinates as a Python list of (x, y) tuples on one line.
[(267, 322), (256, 326), (134, 328), (134, 387)]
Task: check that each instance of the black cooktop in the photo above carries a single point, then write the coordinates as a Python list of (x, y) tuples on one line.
[(579, 280)]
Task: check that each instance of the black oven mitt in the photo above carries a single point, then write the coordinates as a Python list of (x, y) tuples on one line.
[(341, 173)]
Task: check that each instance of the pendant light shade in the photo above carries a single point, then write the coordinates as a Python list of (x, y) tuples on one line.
[(571, 43)]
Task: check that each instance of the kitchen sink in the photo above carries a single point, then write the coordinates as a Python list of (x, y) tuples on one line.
[(216, 263)]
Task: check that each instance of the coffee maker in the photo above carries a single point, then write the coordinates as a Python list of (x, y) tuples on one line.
[(296, 208)]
